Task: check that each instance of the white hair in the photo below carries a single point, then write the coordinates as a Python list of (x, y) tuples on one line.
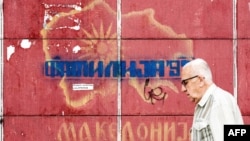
[(200, 67)]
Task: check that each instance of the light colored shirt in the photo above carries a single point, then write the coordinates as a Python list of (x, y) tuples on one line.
[(216, 109)]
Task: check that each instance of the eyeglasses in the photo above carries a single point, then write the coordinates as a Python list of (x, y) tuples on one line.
[(185, 81)]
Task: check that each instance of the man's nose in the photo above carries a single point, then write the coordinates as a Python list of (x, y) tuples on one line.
[(183, 88)]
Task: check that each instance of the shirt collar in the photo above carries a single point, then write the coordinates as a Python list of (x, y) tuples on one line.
[(207, 94)]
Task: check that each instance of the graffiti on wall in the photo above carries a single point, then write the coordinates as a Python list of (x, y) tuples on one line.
[(139, 69), (81, 50), (158, 131), (88, 49)]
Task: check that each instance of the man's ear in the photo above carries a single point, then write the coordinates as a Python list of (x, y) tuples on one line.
[(202, 81)]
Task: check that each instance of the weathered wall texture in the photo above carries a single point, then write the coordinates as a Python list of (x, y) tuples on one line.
[(96, 70)]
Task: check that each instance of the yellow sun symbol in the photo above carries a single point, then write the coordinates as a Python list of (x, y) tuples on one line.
[(99, 45)]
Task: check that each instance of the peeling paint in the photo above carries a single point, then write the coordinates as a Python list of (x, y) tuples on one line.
[(73, 6), (25, 43), (76, 49), (10, 51)]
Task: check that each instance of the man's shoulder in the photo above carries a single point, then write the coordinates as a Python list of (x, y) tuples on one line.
[(222, 96), (222, 92)]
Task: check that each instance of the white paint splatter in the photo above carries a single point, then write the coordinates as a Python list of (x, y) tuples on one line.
[(78, 8), (78, 22), (74, 6), (76, 49), (25, 43), (47, 18), (10, 51), (76, 27)]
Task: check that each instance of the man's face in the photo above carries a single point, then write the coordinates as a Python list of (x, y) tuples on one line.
[(190, 85)]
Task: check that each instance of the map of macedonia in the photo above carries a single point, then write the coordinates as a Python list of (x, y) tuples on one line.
[(90, 33)]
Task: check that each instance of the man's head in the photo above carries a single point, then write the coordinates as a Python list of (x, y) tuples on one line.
[(196, 77)]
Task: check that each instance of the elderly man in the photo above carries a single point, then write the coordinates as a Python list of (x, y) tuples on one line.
[(215, 107)]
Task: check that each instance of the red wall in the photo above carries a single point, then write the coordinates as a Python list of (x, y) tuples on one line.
[(41, 107)]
